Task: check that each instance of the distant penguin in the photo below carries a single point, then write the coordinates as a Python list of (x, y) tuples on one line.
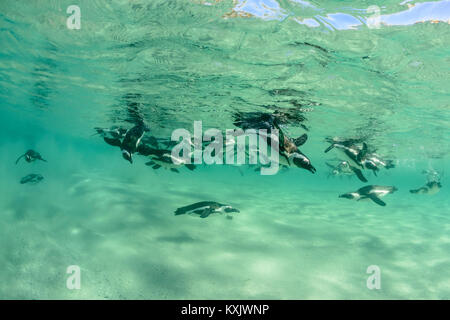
[(31, 156), (373, 193), (205, 208), (430, 188), (33, 178), (131, 141), (341, 169)]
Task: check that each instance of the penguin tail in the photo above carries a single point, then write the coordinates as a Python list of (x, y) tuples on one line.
[(358, 174), (179, 211)]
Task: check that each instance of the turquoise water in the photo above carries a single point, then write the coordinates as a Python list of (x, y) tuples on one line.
[(171, 63)]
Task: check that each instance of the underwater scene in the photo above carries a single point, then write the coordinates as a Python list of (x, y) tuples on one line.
[(224, 149)]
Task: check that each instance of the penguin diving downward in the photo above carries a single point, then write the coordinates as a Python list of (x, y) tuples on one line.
[(373, 193), (31, 156), (430, 188), (205, 208), (129, 141), (132, 140), (290, 152)]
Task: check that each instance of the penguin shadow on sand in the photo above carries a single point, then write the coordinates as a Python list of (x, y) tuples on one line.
[(31, 156)]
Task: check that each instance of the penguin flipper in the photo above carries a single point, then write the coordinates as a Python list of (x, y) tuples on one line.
[(358, 174), (301, 140), (113, 142), (287, 159), (150, 163), (174, 170), (377, 200), (205, 213), (144, 149), (329, 148), (156, 166), (420, 190), (190, 166), (17, 161), (362, 153)]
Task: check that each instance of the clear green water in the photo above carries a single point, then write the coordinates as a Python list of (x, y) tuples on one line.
[(180, 61)]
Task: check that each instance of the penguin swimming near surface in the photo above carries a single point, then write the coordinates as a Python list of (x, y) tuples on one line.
[(289, 151), (350, 150), (114, 132), (31, 156), (205, 208), (164, 159), (354, 155), (33, 178), (373, 193), (430, 188), (132, 140)]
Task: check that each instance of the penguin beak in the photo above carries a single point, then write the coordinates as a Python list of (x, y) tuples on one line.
[(346, 195), (127, 156), (312, 169), (303, 162)]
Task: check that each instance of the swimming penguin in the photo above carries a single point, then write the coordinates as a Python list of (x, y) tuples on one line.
[(132, 140), (354, 155), (372, 161), (341, 169), (430, 188), (373, 193), (164, 159), (115, 132), (31, 156), (33, 178), (205, 208), (289, 151)]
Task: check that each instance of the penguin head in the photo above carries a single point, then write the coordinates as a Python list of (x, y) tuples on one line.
[(350, 195), (302, 161), (230, 209), (371, 165), (127, 156)]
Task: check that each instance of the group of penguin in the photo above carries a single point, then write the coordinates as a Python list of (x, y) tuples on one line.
[(31, 156), (355, 151)]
